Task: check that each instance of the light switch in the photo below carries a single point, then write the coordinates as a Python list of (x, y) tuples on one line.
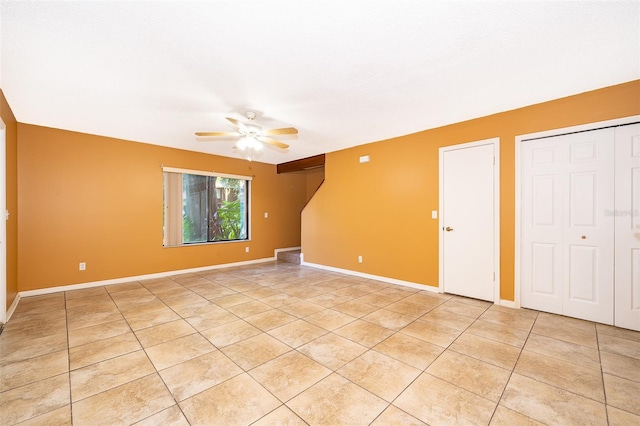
[(365, 159), (434, 214)]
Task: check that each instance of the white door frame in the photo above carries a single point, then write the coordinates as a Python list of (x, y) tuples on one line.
[(518, 208), (496, 209), (3, 223)]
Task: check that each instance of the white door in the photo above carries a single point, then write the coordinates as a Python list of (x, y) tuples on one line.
[(566, 235), (467, 219), (627, 234)]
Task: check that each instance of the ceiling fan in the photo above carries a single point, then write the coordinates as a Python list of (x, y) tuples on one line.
[(252, 136)]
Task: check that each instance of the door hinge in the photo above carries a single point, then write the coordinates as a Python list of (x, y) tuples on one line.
[(494, 276)]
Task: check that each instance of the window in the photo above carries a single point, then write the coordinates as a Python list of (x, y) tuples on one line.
[(202, 207)]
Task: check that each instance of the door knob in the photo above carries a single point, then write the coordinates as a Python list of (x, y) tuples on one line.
[(584, 237), (448, 229)]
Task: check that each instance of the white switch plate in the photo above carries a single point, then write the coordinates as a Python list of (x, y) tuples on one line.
[(266, 215), (365, 159), (360, 259), (82, 266), (434, 214), (246, 249)]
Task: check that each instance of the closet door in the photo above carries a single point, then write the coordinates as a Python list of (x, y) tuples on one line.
[(567, 237), (588, 236), (627, 234)]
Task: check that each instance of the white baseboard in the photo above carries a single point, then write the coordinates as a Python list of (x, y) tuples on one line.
[(509, 304), (81, 286), (276, 251), (13, 307), (374, 277)]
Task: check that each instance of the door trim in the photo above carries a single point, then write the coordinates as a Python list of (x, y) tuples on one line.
[(496, 210), (518, 182), (3, 223)]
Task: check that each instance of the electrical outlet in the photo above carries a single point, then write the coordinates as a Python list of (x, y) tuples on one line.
[(359, 259), (82, 266)]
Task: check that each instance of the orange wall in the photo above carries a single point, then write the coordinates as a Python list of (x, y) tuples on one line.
[(11, 160), (98, 200), (314, 180), (382, 210)]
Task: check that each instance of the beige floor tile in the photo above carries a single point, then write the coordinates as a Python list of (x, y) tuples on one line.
[(34, 400), (389, 319), (329, 300), (138, 322), (261, 293), (237, 401), (622, 333), (180, 350), (81, 356), (585, 381), (33, 370), (230, 333), (329, 319), (288, 375), (82, 336), (172, 291), (617, 345), (381, 375), (511, 319), (281, 416), (396, 417), (364, 333), (132, 298), (355, 309), (255, 351), (473, 302), (448, 319), (58, 417), (280, 299), (250, 308), (506, 417), (332, 351), (96, 378), (619, 417), (125, 404), (548, 320), (79, 312), (499, 332), (622, 393), (114, 288), (456, 307), (337, 401), (85, 293), (561, 331), (154, 306), (100, 297), (214, 291), (519, 313), (437, 402), (182, 300), (471, 374), (414, 352), (297, 333), (551, 405), (163, 333), (270, 319), (32, 321), (198, 374), (21, 348), (231, 300), (302, 309), (621, 366), (431, 332), (487, 350), (408, 308), (565, 351), (379, 300), (46, 302), (171, 416), (90, 319)]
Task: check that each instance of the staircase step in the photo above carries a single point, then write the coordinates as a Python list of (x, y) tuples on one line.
[(290, 256)]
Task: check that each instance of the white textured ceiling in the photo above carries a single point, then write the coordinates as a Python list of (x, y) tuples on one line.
[(343, 72)]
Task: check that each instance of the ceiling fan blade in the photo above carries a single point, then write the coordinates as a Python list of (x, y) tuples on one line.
[(282, 131), (233, 134), (237, 124), (273, 142)]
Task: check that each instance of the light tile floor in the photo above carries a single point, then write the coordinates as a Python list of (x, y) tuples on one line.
[(282, 344)]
